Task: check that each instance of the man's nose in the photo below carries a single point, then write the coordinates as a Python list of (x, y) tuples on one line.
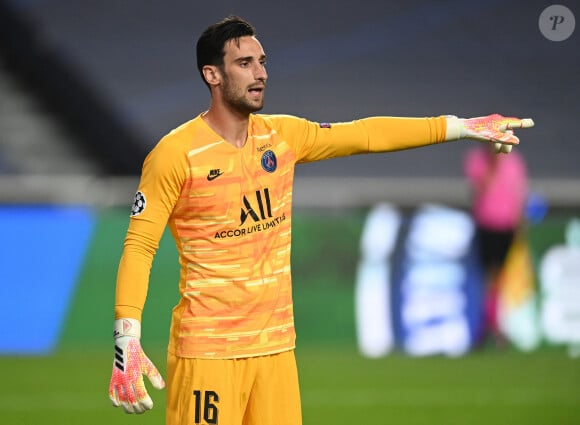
[(260, 73)]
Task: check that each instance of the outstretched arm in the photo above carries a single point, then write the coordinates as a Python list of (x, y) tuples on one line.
[(316, 141)]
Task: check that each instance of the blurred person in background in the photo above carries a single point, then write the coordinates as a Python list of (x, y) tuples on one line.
[(499, 188), (222, 182)]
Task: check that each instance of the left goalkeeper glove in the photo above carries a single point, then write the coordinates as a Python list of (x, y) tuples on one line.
[(492, 128)]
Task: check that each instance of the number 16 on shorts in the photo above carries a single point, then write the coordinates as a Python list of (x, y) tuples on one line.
[(206, 407)]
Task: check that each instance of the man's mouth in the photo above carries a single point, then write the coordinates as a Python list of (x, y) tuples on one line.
[(256, 90)]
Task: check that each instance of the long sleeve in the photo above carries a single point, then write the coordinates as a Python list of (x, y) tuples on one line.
[(163, 173), (313, 141)]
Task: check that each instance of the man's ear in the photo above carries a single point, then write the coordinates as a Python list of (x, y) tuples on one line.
[(211, 74)]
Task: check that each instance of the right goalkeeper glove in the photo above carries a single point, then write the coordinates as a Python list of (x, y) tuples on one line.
[(127, 388)]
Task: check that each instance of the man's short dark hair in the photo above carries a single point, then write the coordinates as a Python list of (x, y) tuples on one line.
[(211, 43)]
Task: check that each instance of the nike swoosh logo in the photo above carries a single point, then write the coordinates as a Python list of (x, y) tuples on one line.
[(211, 177)]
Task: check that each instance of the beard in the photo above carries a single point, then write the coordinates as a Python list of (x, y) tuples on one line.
[(235, 97)]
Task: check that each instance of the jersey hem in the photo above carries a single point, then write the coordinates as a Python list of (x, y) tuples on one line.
[(232, 357)]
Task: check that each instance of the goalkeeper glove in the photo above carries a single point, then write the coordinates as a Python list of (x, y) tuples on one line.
[(127, 388), (492, 128)]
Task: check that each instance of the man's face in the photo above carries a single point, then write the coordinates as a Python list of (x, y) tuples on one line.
[(244, 75)]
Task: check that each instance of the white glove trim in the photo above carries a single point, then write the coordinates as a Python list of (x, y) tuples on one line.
[(454, 128), (127, 327)]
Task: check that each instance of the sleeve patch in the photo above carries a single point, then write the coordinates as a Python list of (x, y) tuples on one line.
[(139, 204)]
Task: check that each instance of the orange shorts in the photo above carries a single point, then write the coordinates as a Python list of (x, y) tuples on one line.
[(250, 391)]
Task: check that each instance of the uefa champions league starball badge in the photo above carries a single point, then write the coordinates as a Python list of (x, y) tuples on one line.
[(138, 204)]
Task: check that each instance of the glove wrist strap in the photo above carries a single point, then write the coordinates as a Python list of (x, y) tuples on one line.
[(455, 128), (127, 327)]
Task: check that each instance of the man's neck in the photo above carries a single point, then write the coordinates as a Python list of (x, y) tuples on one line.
[(231, 126)]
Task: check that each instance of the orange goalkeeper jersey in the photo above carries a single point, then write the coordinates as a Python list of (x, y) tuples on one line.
[(229, 210)]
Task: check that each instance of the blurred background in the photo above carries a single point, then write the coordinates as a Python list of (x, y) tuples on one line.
[(88, 88)]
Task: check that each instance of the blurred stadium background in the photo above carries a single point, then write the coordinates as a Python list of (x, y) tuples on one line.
[(87, 88)]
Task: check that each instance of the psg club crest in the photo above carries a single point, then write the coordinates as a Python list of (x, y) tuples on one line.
[(138, 204), (269, 162)]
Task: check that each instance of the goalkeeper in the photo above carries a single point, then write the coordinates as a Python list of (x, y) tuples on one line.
[(222, 182)]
